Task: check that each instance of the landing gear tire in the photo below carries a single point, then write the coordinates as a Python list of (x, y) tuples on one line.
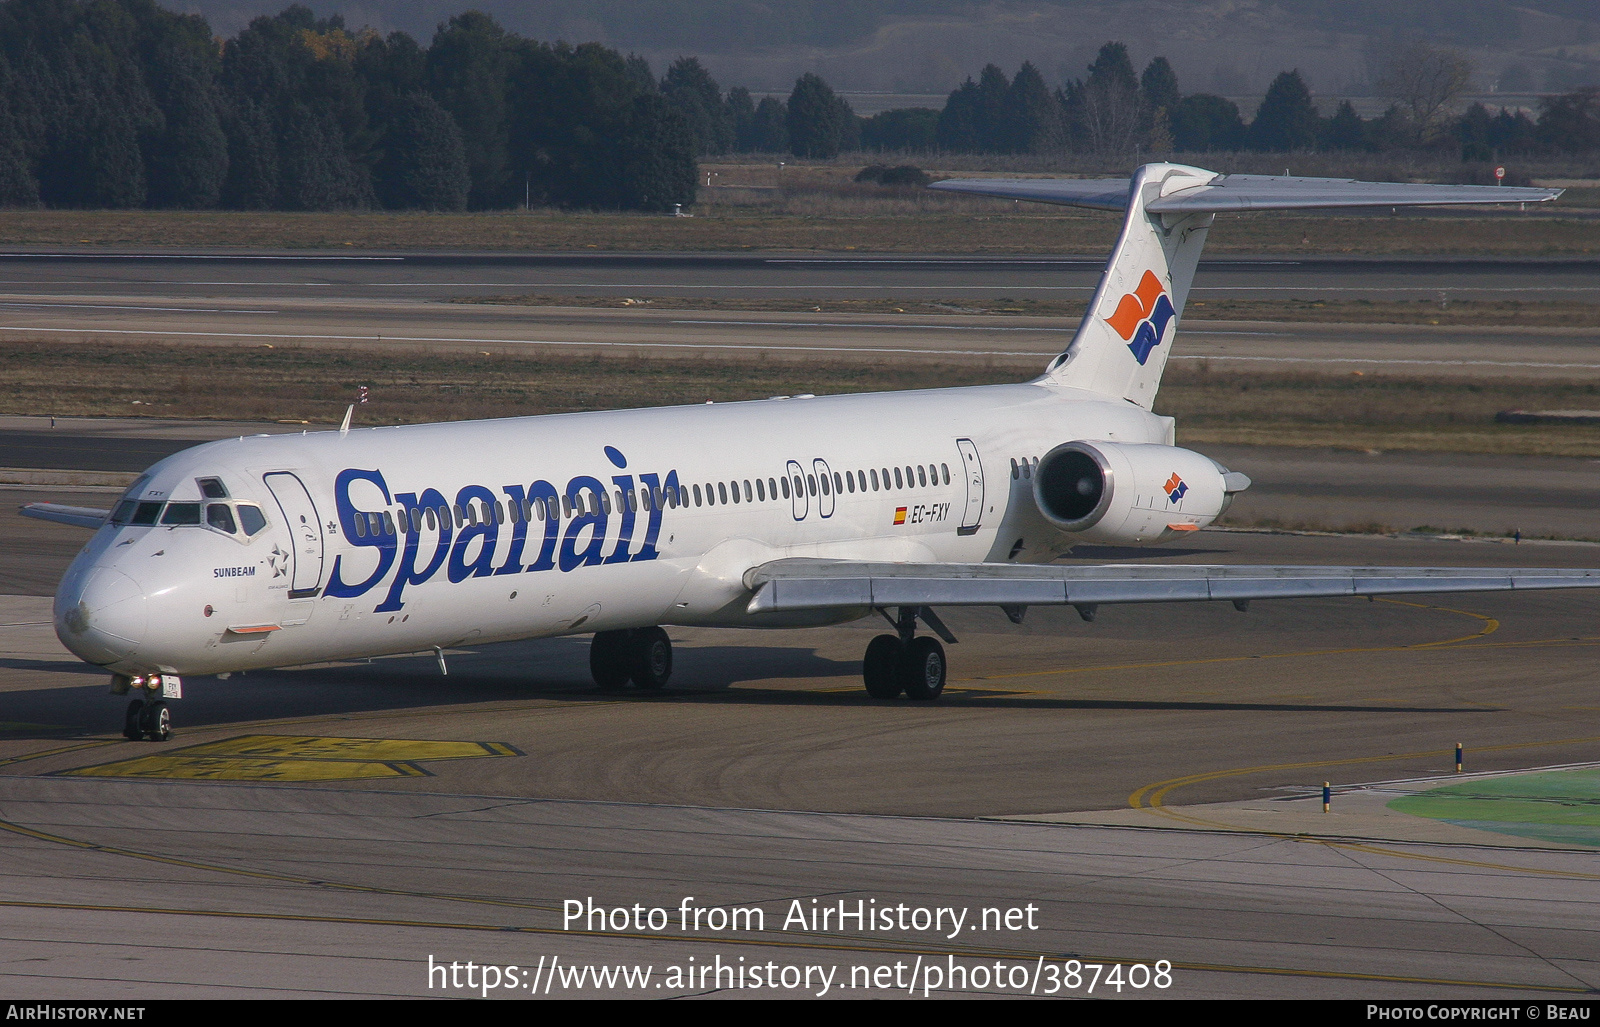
[(652, 658), (878, 667), (133, 721), (921, 668), (154, 721), (608, 659)]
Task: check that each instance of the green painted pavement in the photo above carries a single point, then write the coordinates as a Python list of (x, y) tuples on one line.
[(1561, 806)]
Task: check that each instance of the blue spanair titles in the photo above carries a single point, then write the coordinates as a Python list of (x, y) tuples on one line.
[(471, 546)]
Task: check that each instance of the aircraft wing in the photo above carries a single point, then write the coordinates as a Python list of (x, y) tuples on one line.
[(78, 516), (1245, 192), (803, 584)]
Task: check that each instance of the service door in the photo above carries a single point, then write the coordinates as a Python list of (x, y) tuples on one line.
[(797, 488), (974, 471), (305, 527)]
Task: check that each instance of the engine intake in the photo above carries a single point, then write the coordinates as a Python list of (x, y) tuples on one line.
[(1121, 493)]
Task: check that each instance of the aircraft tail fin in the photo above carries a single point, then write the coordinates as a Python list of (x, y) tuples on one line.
[(1121, 346)]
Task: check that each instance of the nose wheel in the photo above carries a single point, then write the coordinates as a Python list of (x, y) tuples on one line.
[(152, 720)]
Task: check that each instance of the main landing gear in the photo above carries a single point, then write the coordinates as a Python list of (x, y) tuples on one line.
[(904, 663), (148, 717), (642, 655)]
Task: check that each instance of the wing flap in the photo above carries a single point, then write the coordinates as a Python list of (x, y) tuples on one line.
[(801, 584), (77, 516)]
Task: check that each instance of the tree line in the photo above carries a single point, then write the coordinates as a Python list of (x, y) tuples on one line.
[(120, 103), (1113, 110)]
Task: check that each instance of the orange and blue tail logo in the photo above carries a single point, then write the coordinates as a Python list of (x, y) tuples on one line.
[(1141, 317), (1175, 486)]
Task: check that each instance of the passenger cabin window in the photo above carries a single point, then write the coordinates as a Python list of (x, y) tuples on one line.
[(922, 477), (897, 482), (946, 469), (874, 479)]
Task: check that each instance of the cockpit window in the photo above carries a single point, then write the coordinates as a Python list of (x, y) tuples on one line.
[(212, 488), (146, 513), (220, 516), (251, 519), (123, 511), (181, 513)]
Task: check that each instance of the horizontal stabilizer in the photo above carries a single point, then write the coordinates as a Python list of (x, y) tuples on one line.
[(801, 584), (77, 516), (1244, 192)]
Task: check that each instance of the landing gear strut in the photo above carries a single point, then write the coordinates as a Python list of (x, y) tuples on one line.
[(642, 655), (905, 663), (148, 717)]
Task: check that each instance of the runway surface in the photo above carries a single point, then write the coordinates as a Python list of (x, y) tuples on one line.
[(405, 300), (434, 276)]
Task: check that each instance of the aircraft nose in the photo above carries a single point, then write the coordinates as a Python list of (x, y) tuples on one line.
[(105, 620)]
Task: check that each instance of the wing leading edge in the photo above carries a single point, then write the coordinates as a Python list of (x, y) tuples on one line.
[(77, 516), (801, 584)]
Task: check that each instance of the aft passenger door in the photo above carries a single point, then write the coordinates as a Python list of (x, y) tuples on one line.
[(973, 467)]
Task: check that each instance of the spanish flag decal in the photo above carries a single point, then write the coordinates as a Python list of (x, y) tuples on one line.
[(899, 515)]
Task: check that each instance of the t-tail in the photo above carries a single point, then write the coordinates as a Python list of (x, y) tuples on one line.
[(1122, 345)]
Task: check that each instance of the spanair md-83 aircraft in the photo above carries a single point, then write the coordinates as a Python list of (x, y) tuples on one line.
[(274, 551)]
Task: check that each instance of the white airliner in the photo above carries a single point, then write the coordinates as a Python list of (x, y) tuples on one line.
[(274, 551)]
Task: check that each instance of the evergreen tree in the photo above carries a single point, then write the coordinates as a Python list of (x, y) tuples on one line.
[(424, 164), (188, 157), (252, 181), (315, 172), (468, 70), (742, 116), (1033, 119), (771, 130), (1286, 120), (639, 73), (1570, 123), (820, 123), (655, 157), (1345, 130), (1474, 131), (995, 132), (1204, 122), (1105, 109), (960, 123), (691, 90), (905, 128), (1158, 85), (19, 187)]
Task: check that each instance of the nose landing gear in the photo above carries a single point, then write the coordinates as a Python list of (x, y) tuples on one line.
[(904, 663), (148, 717)]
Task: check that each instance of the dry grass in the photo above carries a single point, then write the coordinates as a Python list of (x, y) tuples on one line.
[(818, 223), (1368, 412), (415, 385), (1513, 313)]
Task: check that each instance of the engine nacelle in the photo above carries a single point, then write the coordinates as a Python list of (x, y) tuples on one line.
[(1119, 493)]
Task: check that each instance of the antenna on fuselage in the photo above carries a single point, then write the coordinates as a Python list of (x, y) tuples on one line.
[(349, 411)]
